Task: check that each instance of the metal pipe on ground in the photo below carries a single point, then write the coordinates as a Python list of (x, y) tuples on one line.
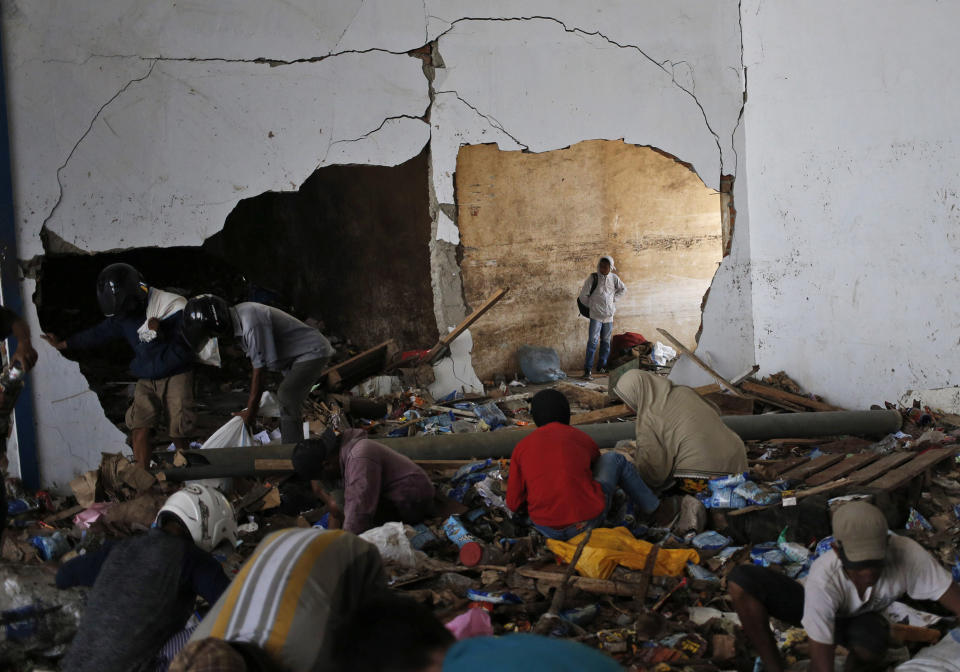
[(275, 458)]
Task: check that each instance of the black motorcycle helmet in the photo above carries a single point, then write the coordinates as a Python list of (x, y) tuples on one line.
[(204, 317), (120, 290)]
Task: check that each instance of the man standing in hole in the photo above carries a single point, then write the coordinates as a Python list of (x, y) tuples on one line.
[(598, 300)]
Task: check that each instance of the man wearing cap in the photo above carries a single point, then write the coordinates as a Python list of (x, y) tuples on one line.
[(599, 296), (845, 593)]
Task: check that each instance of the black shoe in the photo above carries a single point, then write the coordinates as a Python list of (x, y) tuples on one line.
[(587, 375)]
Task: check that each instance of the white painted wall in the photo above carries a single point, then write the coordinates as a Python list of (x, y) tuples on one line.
[(854, 198), (143, 122)]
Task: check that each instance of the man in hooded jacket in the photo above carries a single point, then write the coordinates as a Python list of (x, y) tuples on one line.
[(678, 432)]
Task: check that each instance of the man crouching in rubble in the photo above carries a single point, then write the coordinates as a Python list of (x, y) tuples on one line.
[(379, 484), (847, 589), (162, 362), (561, 477), (281, 611), (273, 340), (145, 588), (678, 432)]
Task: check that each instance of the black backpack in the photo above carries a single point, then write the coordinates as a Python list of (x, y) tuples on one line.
[(584, 309)]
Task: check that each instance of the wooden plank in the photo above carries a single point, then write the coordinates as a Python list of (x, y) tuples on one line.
[(704, 390), (599, 586), (843, 468), (878, 468), (729, 404), (602, 414), (812, 466), (779, 466), (273, 465), (447, 339), (449, 464), (368, 362), (723, 382), (919, 464), (775, 393)]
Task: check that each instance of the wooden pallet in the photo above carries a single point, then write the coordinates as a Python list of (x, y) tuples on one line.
[(863, 469), (811, 467), (847, 466)]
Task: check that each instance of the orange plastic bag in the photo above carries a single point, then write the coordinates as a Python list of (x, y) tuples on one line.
[(608, 548)]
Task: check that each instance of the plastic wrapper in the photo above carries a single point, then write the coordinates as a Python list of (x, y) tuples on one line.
[(540, 364), (767, 554), (823, 546), (498, 597), (711, 541), (486, 489), (724, 498), (795, 552), (580, 616), (725, 482), (916, 521), (51, 547), (472, 623), (700, 573), (758, 494), (491, 415)]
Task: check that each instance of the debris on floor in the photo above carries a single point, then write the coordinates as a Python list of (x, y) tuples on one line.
[(651, 594)]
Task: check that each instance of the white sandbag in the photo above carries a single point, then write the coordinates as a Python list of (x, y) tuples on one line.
[(269, 405), (392, 542), (233, 434), (943, 656)]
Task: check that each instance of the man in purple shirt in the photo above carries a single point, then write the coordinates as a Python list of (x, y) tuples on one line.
[(379, 485)]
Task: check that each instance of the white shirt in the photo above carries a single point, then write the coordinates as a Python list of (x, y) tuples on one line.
[(602, 302), (828, 593)]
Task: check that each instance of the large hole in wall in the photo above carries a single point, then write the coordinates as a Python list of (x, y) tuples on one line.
[(352, 246), (538, 224), (350, 250)]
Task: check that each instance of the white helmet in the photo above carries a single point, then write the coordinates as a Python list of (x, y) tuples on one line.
[(206, 513)]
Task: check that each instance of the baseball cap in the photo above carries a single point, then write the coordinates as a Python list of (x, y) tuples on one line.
[(861, 530)]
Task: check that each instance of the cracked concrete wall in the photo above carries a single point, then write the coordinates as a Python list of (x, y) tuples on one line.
[(142, 123), (853, 169)]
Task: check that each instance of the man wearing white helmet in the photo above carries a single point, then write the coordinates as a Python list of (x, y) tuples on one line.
[(145, 587), (598, 302)]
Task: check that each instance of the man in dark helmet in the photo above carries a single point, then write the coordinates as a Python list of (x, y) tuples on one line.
[(162, 361), (272, 339)]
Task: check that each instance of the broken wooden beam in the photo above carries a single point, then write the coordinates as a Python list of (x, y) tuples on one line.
[(878, 468), (602, 415), (723, 382), (777, 394), (447, 339), (598, 586), (354, 370)]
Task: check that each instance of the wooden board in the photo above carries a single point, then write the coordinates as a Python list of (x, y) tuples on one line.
[(723, 382), (843, 468), (812, 466), (775, 393), (729, 404), (367, 363), (447, 339), (878, 468), (779, 466), (919, 464), (801, 494), (602, 415)]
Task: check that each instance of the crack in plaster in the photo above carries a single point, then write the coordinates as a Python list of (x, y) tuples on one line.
[(743, 101), (365, 135), (84, 135), (597, 33), (349, 25), (490, 120)]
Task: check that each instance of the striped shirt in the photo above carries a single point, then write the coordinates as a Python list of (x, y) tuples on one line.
[(292, 594)]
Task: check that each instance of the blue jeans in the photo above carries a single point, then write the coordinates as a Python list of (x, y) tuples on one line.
[(600, 333), (611, 471)]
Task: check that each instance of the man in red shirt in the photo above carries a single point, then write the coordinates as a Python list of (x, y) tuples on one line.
[(559, 474)]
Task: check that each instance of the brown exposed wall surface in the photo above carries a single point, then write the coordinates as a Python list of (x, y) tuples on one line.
[(538, 223)]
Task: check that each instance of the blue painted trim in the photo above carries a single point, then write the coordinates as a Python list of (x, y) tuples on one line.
[(10, 280)]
